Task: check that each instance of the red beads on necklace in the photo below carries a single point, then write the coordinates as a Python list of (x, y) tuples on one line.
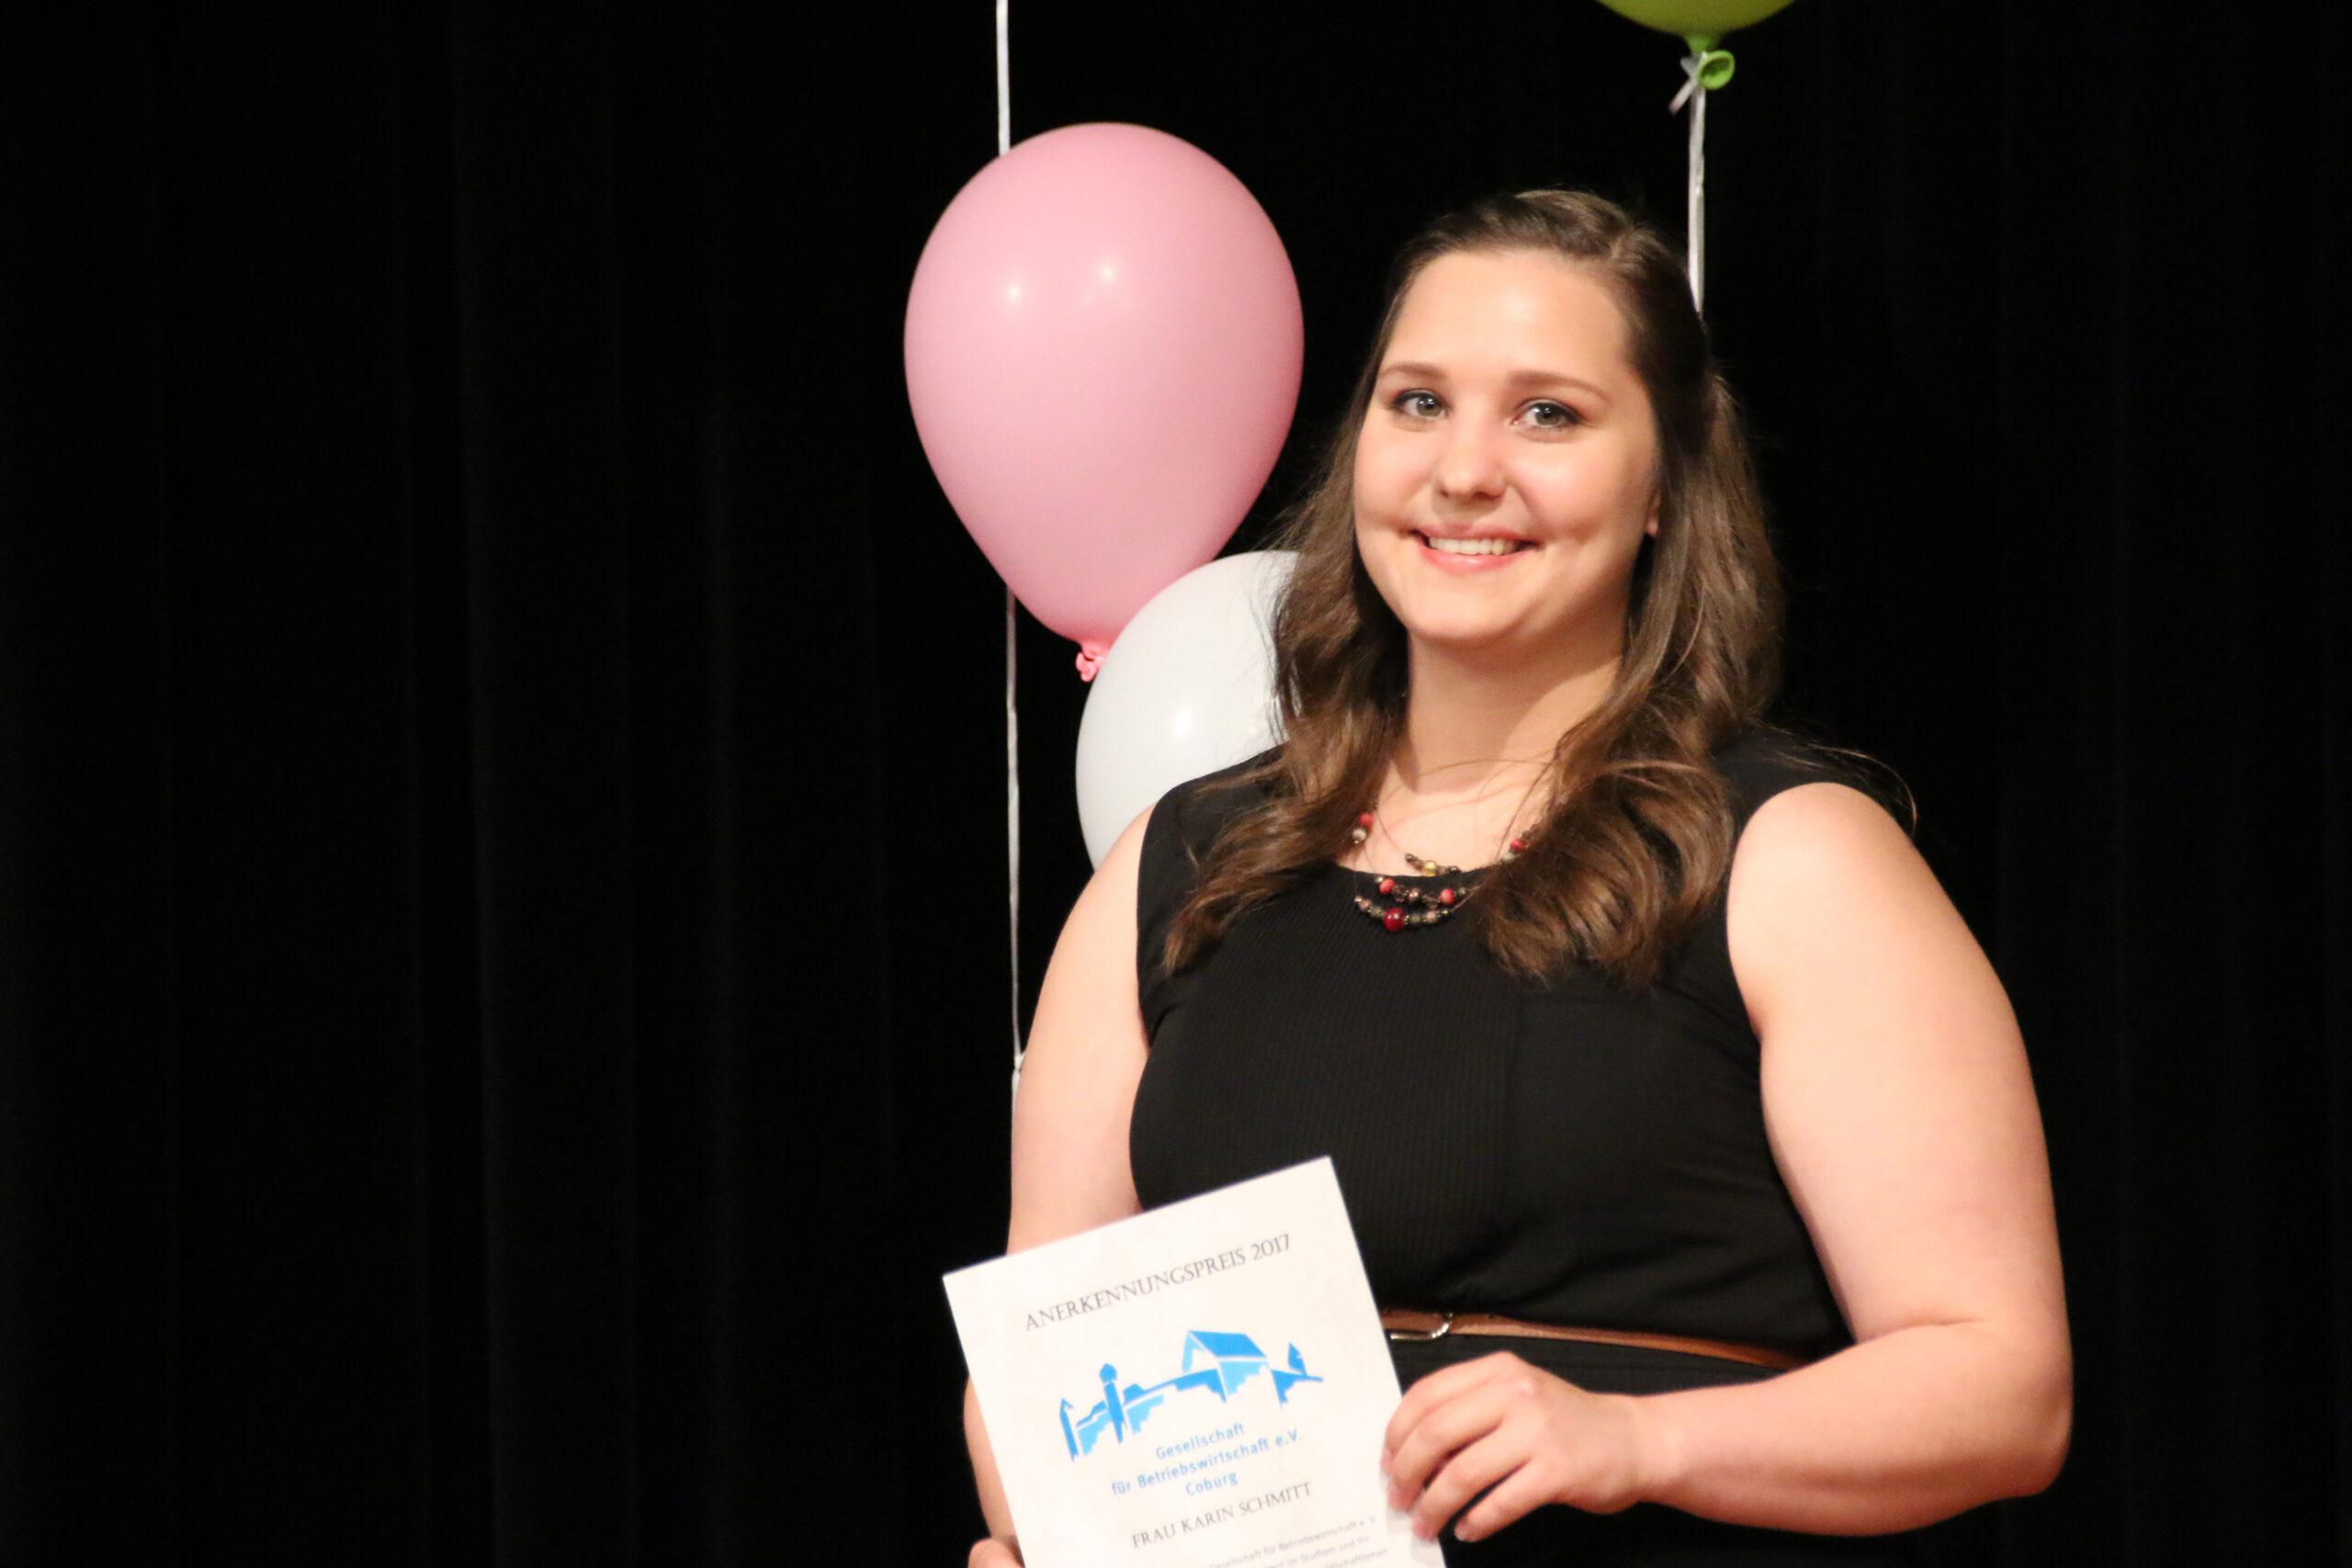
[(1415, 905)]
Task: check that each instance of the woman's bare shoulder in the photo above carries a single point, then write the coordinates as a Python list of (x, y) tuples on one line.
[(1824, 877)]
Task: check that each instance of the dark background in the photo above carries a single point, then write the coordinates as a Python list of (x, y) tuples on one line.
[(502, 963)]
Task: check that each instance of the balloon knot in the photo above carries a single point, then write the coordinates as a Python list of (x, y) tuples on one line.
[(1090, 660), (1706, 67)]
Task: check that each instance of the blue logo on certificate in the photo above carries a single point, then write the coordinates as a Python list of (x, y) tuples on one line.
[(1213, 1363)]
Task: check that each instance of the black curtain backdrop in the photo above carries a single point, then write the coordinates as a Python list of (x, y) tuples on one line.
[(501, 965)]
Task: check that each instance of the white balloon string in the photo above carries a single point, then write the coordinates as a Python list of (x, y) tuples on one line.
[(1012, 826), (1694, 93), (1003, 79), (1012, 660)]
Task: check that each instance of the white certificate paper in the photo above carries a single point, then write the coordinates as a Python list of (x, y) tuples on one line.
[(1201, 1386)]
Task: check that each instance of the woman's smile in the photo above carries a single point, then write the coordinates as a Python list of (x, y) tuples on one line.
[(1505, 471), (1470, 552)]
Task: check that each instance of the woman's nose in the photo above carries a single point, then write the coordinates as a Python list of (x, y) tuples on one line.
[(1471, 465)]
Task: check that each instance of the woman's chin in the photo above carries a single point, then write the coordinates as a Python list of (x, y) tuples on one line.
[(1545, 651), (1470, 642)]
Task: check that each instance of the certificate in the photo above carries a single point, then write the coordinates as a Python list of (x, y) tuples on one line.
[(1201, 1386)]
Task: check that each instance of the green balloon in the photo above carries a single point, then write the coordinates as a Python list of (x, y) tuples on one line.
[(1702, 22)]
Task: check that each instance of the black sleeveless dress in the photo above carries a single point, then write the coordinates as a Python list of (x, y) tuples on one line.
[(1574, 1154)]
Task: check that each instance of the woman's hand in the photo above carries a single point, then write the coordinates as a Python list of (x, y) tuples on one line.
[(1498, 1421), (995, 1553)]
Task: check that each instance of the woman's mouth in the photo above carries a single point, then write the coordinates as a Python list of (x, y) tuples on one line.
[(1487, 546)]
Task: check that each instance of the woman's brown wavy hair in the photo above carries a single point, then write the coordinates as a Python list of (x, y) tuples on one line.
[(1637, 835)]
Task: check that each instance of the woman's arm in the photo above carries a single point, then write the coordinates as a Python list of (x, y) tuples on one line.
[(1070, 1122), (1900, 1108), (1903, 1116)]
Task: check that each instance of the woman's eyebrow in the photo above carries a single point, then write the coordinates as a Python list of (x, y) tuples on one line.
[(1421, 370)]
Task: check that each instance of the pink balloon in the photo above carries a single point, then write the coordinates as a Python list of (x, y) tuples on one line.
[(1103, 342)]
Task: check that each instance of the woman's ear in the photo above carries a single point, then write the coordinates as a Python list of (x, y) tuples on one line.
[(1650, 526)]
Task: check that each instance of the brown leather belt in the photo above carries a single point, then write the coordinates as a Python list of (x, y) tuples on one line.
[(1403, 1324)]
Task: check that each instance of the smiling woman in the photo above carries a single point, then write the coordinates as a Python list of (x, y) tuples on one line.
[(1505, 476), (1694, 1091), (1539, 377)]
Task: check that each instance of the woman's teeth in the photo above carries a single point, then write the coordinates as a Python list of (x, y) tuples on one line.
[(1472, 546)]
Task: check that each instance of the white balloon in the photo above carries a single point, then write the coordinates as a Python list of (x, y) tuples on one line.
[(1188, 688)]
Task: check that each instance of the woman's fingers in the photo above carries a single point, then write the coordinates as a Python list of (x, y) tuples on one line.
[(1499, 1454), (1439, 1433), (1443, 1385), (1436, 1390), (1515, 1433), (1515, 1497)]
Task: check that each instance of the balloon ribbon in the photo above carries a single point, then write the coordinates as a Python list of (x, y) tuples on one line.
[(1011, 660), (1705, 67)]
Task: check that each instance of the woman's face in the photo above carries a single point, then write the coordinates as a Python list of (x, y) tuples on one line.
[(1506, 472)]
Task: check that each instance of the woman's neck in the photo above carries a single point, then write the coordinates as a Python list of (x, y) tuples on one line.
[(1464, 716), (1478, 738)]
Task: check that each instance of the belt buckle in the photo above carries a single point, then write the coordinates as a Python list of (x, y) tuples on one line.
[(1425, 1335)]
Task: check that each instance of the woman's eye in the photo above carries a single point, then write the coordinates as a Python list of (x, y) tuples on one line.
[(1548, 415), (1417, 404)]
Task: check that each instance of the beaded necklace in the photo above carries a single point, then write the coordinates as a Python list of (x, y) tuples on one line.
[(1418, 906)]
